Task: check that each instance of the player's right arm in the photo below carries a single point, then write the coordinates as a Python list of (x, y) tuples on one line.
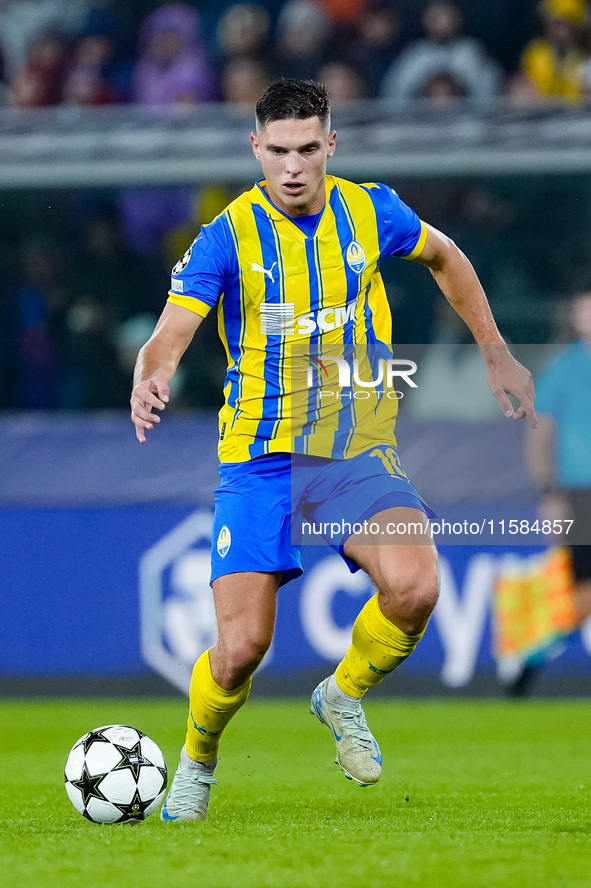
[(156, 364), (198, 279)]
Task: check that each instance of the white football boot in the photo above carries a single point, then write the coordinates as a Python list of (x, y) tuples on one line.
[(188, 796), (358, 753)]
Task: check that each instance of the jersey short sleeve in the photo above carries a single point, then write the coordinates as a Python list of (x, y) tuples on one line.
[(401, 232), (199, 278)]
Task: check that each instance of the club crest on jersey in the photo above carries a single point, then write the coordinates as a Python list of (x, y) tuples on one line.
[(224, 541), (356, 257)]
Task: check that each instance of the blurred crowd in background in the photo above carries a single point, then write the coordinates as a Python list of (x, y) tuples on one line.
[(84, 273), (100, 52)]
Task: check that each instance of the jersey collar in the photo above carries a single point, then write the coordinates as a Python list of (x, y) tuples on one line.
[(259, 196)]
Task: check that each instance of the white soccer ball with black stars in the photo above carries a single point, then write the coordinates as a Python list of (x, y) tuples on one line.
[(115, 774)]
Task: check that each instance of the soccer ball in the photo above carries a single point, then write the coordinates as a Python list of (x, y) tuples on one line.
[(115, 774)]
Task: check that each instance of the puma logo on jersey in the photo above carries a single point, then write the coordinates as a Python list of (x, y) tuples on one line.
[(266, 271)]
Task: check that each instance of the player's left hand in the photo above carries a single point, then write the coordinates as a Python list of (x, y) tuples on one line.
[(506, 376)]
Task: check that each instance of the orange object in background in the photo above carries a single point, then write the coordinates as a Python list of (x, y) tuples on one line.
[(344, 10), (533, 603)]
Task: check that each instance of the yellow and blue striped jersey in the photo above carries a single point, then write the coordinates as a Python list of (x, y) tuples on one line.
[(284, 293)]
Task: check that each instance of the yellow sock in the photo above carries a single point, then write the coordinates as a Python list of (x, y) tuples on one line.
[(211, 708), (378, 647)]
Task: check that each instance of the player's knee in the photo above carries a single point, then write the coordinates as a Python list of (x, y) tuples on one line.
[(410, 597), (243, 655), (252, 650), (422, 601)]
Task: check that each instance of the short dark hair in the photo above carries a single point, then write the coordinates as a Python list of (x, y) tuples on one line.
[(293, 100)]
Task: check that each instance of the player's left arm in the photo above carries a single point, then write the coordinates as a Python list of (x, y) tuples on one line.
[(459, 283)]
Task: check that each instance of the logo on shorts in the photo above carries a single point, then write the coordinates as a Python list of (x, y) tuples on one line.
[(356, 257), (224, 541)]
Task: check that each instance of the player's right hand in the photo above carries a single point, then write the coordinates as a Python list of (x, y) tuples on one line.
[(147, 395)]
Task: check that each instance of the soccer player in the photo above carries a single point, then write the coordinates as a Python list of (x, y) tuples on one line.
[(292, 266)]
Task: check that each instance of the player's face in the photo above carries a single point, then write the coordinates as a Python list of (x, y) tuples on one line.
[(293, 155)]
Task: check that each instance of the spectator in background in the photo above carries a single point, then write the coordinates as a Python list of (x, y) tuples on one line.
[(37, 323), (552, 65), (244, 80), (88, 81), (443, 51), (40, 82), (443, 91), (342, 82), (374, 43), (302, 34), (344, 12), (173, 66), (243, 40), (345, 17), (172, 69), (22, 21), (243, 32)]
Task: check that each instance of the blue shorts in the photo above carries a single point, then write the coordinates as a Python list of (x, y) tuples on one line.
[(255, 502)]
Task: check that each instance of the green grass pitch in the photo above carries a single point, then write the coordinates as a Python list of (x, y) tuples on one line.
[(474, 793)]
